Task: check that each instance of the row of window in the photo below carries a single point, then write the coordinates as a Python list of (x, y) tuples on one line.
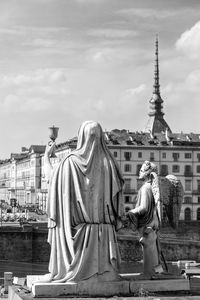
[(188, 200), (187, 213), (188, 187), (175, 155), (176, 169), (164, 169), (23, 174)]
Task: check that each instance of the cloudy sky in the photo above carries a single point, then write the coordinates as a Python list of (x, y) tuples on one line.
[(66, 61)]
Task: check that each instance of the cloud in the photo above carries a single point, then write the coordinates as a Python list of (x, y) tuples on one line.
[(192, 81), (90, 1), (168, 88), (38, 90), (102, 55), (135, 91), (39, 76), (34, 31), (23, 42), (12, 31), (189, 42), (112, 33), (115, 55), (147, 13), (96, 106), (45, 42), (15, 103), (127, 100)]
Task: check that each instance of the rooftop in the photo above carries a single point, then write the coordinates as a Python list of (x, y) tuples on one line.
[(117, 137)]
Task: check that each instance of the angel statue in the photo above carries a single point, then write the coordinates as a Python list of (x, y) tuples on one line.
[(146, 217)]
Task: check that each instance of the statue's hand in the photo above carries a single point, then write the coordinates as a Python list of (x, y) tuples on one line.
[(50, 148), (133, 211), (124, 218), (125, 221), (47, 162)]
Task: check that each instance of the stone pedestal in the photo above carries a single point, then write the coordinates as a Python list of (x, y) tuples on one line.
[(84, 288), (128, 286)]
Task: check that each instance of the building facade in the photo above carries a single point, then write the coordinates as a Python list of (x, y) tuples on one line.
[(20, 177)]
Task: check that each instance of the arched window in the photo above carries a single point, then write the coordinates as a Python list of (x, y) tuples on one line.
[(187, 214), (198, 214)]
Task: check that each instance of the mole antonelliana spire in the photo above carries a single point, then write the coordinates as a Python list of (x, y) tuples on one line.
[(156, 122)]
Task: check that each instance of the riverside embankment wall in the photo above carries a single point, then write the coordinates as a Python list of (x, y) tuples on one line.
[(29, 244)]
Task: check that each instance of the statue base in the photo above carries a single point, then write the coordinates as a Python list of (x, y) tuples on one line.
[(86, 288), (129, 285)]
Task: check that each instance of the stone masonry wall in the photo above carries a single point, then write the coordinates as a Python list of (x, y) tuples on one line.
[(29, 244), (15, 244)]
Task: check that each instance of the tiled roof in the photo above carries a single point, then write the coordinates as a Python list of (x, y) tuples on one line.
[(67, 144), (125, 137)]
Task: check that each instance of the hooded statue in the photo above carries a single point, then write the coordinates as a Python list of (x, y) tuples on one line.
[(85, 208)]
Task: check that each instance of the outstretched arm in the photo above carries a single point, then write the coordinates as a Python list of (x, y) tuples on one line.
[(47, 163), (143, 203), (141, 208)]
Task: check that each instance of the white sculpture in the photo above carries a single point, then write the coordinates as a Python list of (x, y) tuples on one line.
[(146, 217), (84, 209)]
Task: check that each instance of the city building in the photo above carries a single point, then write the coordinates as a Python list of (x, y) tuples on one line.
[(22, 176)]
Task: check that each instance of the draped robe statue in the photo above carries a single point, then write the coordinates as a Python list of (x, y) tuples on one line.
[(85, 208)]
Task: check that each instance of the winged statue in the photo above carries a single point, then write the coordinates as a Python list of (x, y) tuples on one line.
[(155, 196)]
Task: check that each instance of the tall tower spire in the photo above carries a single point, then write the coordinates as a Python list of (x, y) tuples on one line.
[(156, 100), (156, 71), (156, 122)]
